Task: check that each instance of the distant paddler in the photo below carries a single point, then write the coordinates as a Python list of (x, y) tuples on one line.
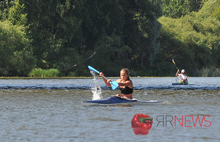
[(182, 76)]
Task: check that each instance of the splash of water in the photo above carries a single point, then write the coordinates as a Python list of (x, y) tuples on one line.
[(96, 89), (166, 102)]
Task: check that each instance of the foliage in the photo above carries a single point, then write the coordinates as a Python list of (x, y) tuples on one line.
[(216, 12), (16, 50), (178, 8), (37, 72), (197, 34), (69, 35), (208, 72)]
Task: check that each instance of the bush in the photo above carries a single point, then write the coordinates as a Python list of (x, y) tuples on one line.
[(37, 72)]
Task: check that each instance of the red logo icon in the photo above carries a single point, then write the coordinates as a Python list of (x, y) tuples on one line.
[(141, 124)]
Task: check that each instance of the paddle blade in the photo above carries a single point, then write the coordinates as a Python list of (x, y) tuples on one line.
[(173, 61), (92, 69), (114, 85)]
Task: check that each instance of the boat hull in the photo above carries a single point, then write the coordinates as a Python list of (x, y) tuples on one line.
[(182, 84), (114, 100)]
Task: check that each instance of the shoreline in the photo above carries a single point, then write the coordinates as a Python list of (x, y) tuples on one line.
[(85, 77)]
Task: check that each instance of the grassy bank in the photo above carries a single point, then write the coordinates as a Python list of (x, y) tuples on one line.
[(65, 77), (54, 73), (37, 72), (77, 77)]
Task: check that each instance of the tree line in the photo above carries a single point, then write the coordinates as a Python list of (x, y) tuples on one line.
[(142, 35)]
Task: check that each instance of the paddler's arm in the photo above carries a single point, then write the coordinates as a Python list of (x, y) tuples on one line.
[(184, 79), (177, 73), (127, 83), (107, 82)]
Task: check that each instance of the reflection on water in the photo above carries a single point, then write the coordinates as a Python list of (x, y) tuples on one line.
[(57, 114)]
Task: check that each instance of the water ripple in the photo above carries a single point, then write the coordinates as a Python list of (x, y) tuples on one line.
[(88, 87)]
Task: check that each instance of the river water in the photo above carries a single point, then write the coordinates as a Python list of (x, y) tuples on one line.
[(51, 110)]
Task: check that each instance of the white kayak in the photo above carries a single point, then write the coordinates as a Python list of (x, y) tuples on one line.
[(114, 100)]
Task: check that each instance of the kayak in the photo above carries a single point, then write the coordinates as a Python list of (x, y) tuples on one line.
[(114, 100), (182, 83)]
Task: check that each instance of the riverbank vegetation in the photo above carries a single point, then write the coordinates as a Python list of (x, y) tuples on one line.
[(61, 38), (44, 73)]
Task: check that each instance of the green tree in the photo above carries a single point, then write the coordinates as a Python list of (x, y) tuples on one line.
[(55, 31), (178, 8), (71, 34), (17, 56), (198, 38), (175, 8), (216, 12)]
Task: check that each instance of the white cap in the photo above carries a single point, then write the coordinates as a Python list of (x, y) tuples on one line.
[(182, 71)]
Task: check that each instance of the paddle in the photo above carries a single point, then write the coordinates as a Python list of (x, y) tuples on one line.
[(177, 78), (114, 84), (174, 63)]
